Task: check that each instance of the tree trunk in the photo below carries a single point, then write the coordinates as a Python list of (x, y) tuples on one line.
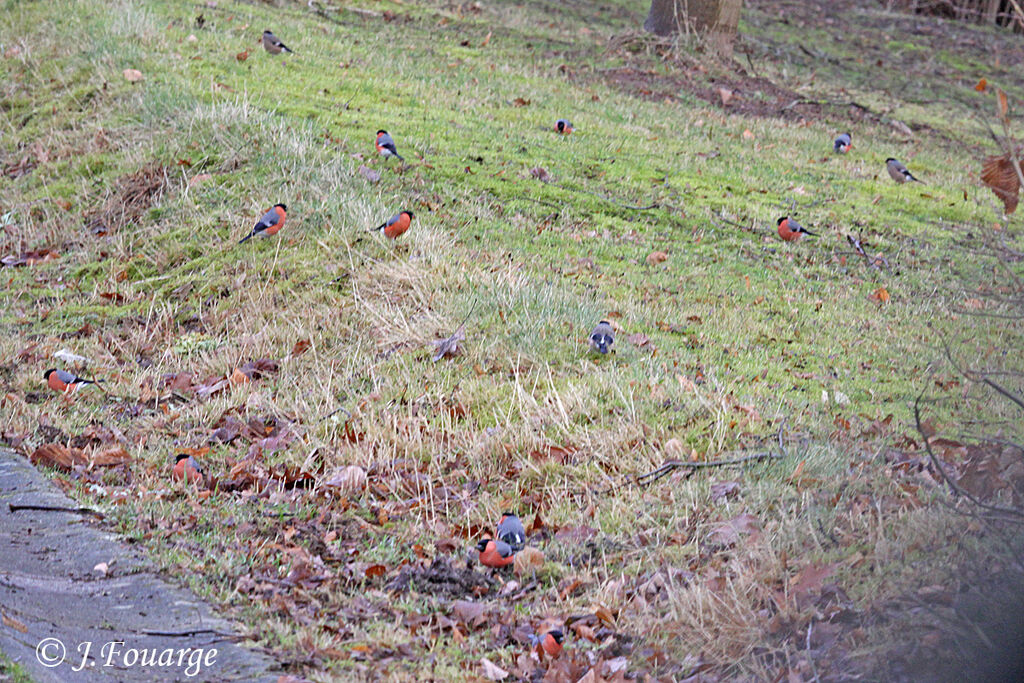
[(715, 19)]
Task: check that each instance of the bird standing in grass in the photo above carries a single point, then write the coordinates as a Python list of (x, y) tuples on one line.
[(899, 172), (273, 44), (602, 338), (386, 145), (791, 231), (563, 126), (269, 224), (549, 644), (187, 469), (64, 382), (396, 225), (842, 143), (494, 553), (511, 531)]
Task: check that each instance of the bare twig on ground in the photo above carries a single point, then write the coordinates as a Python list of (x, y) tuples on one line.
[(15, 507), (954, 487)]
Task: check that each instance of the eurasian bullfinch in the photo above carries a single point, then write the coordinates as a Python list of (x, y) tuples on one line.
[(273, 44), (899, 172), (269, 224), (602, 338), (64, 382), (386, 145), (563, 126), (511, 531), (842, 143), (494, 553), (791, 231), (550, 643), (396, 225), (187, 469)]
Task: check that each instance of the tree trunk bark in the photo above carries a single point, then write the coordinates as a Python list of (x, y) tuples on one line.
[(715, 19)]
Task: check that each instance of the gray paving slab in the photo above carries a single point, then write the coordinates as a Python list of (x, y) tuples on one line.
[(66, 622)]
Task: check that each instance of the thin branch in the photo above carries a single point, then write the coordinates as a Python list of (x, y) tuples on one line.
[(14, 507), (607, 199), (194, 632), (654, 475), (980, 377), (949, 480)]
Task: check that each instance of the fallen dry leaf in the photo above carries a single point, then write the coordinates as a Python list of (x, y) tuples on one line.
[(58, 456), (639, 340), (110, 457), (528, 559), (540, 174), (998, 173), (729, 532), (12, 622), (371, 175), (242, 56), (488, 669), (726, 96), (881, 295), (132, 75), (656, 257), (747, 134), (348, 479)]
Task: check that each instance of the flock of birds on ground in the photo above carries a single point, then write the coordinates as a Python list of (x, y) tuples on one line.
[(499, 550)]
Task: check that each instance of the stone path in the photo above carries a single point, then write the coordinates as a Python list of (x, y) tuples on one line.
[(63, 621)]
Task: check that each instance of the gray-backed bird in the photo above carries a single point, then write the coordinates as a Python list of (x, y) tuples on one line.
[(602, 338), (510, 530), (842, 143), (791, 231), (899, 172), (64, 382), (273, 44), (386, 145), (269, 223)]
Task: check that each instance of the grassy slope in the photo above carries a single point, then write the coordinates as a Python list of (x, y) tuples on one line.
[(768, 327)]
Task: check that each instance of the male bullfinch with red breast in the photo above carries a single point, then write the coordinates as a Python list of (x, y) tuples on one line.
[(386, 145), (563, 126), (269, 224), (843, 143), (791, 231), (549, 644), (187, 469), (273, 44), (496, 554), (511, 531), (64, 382), (395, 226)]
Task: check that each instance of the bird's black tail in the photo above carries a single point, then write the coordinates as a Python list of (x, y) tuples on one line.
[(247, 237)]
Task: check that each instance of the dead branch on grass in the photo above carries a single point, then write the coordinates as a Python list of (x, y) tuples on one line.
[(954, 487), (15, 507)]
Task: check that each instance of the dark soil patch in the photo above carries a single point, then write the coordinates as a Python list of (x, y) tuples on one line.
[(442, 579), (750, 96), (132, 196)]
